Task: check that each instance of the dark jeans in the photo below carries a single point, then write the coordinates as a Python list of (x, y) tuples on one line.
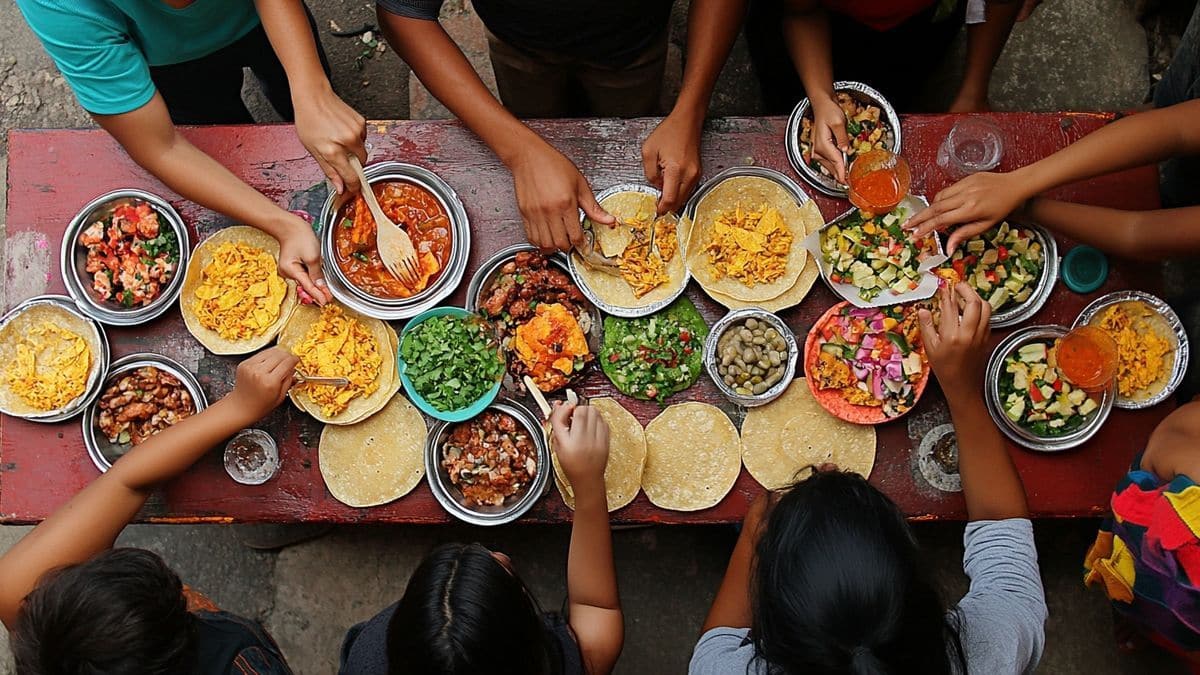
[(1179, 178), (208, 90), (894, 61)]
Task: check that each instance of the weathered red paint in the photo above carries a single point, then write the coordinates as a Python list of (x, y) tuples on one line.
[(53, 173)]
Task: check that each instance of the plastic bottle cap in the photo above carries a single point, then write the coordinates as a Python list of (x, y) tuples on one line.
[(1084, 269)]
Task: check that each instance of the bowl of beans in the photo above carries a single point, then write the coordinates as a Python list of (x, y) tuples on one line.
[(751, 355)]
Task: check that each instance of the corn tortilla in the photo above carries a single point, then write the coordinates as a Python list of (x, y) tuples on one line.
[(749, 193), (375, 461), (1146, 347), (626, 457), (804, 283), (614, 290), (20, 326), (201, 257), (361, 407), (693, 457), (761, 449)]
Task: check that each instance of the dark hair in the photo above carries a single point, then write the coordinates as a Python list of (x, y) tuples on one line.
[(465, 612), (837, 587), (121, 612)]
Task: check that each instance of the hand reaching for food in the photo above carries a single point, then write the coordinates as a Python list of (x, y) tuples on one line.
[(263, 381), (957, 346), (581, 443), (550, 192), (973, 204), (300, 260), (829, 136)]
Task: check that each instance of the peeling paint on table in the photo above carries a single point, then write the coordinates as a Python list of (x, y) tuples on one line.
[(43, 465)]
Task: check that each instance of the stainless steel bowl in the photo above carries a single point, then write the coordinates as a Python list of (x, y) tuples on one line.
[(390, 309), (784, 181), (712, 358), (1181, 339), (73, 258), (1011, 316), (103, 452), (100, 365), (863, 93), (573, 263), (451, 498), (1014, 431)]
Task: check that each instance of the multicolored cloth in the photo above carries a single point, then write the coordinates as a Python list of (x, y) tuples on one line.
[(1147, 558)]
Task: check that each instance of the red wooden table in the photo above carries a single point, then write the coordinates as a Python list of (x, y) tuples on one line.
[(53, 173)]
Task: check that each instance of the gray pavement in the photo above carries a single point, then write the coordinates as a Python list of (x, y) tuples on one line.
[(1074, 54)]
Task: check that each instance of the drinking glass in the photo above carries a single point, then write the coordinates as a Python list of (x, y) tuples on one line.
[(974, 144), (251, 457)]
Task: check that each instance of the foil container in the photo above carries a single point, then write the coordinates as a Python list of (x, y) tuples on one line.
[(712, 357), (1015, 314)]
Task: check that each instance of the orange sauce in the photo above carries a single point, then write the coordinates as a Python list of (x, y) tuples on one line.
[(878, 181), (1087, 357)]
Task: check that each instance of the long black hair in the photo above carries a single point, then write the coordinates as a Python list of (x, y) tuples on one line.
[(121, 613), (465, 612), (837, 587)]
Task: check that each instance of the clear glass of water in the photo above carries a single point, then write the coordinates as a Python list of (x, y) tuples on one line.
[(974, 144), (251, 457)]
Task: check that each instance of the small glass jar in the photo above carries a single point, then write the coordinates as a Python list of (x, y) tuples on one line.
[(251, 457), (974, 144)]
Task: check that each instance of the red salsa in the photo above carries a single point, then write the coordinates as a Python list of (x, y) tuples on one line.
[(418, 212)]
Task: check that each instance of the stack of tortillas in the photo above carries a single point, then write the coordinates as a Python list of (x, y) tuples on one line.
[(751, 193), (375, 461), (783, 440), (626, 457), (693, 457)]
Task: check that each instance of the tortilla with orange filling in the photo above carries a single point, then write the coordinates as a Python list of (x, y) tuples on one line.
[(551, 347)]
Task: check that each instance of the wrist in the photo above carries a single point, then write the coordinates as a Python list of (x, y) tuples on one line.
[(518, 144), (308, 85), (234, 414), (689, 111)]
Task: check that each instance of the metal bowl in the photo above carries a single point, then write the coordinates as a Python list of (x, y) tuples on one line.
[(73, 259), (864, 94), (100, 365), (390, 309), (103, 452), (712, 358), (1014, 431), (1181, 340), (784, 181), (1011, 316), (451, 498), (573, 264)]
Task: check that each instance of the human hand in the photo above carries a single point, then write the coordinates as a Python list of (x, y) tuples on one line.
[(581, 443), (974, 204), (300, 259), (671, 159), (829, 135), (262, 383), (331, 131), (550, 190), (956, 348)]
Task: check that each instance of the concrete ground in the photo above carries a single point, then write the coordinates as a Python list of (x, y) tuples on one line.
[(1074, 54)]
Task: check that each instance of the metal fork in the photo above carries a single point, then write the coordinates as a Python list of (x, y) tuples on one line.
[(300, 378)]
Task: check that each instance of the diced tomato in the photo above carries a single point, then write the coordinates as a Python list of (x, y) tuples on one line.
[(1002, 253), (972, 259), (991, 275), (613, 358), (912, 285), (835, 278), (688, 350), (1035, 394), (1057, 385), (685, 336), (960, 268)]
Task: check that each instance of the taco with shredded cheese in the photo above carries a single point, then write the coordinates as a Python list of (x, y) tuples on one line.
[(51, 357)]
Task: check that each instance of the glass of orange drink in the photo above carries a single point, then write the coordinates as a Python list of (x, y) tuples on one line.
[(1087, 358), (878, 180)]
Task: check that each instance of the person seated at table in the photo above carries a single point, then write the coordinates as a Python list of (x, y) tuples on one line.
[(74, 604), (825, 576), (465, 609), (981, 200), (879, 42), (140, 67), (600, 58)]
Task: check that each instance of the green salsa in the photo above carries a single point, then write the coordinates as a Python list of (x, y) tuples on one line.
[(653, 357)]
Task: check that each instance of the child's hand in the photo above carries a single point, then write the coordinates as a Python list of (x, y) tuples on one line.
[(263, 381), (581, 441), (957, 347)]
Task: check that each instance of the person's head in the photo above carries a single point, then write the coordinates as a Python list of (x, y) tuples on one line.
[(837, 586), (122, 612), (465, 611)]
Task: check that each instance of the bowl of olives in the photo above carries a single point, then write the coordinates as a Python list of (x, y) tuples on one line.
[(751, 355)]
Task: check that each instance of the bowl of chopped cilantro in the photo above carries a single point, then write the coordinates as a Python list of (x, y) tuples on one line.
[(450, 363)]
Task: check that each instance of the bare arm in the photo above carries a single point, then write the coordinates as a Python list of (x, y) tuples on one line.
[(1156, 235), (90, 522), (985, 42), (1174, 447), (977, 202), (957, 350), (806, 30), (581, 440), (330, 129), (549, 187), (150, 138), (671, 154), (731, 606)]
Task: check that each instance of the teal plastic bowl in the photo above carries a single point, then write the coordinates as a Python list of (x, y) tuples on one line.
[(419, 401)]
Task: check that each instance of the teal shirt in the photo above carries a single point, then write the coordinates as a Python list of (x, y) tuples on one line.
[(104, 48)]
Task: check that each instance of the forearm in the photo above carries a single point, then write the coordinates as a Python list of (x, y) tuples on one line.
[(731, 606), (712, 28), (1157, 235), (591, 574), (445, 71), (294, 44), (991, 485), (809, 43), (985, 42)]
